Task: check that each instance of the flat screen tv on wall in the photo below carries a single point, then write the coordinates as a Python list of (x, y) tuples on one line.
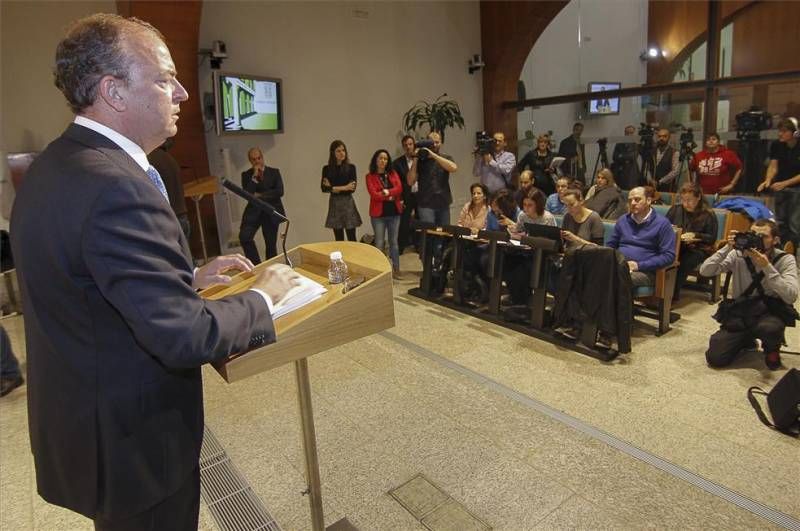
[(604, 105), (248, 104)]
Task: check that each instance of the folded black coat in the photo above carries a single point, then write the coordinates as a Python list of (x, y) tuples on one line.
[(595, 286)]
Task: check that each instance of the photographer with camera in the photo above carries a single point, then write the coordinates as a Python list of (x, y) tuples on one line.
[(666, 162), (713, 166), (783, 177), (538, 161), (764, 291), (493, 164), (431, 170), (573, 151)]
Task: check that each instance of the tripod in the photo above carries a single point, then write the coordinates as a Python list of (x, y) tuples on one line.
[(686, 154), (752, 155), (648, 168), (601, 160)]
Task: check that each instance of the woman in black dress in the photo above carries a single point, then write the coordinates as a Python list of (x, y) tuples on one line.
[(339, 180)]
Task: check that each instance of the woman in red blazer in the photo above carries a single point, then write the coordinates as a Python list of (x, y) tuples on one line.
[(385, 204)]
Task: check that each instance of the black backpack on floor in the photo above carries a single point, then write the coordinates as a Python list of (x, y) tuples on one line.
[(783, 402)]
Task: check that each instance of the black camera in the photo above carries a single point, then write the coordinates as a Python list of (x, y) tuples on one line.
[(427, 144), (688, 144), (602, 142), (750, 123), (742, 241), (484, 143), (646, 134)]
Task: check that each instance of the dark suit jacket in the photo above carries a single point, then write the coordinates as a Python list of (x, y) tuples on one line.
[(271, 190), (115, 333), (401, 167), (170, 173)]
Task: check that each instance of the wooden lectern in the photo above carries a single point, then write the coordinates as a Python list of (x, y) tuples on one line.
[(334, 319)]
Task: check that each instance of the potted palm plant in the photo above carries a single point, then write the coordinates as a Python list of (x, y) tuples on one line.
[(438, 115)]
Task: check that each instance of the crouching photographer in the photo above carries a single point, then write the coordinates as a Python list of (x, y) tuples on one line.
[(764, 290)]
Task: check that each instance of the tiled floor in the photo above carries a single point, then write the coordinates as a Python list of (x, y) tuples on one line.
[(384, 413)]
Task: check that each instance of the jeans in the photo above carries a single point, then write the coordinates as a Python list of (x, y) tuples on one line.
[(787, 213), (390, 225), (439, 217), (724, 345)]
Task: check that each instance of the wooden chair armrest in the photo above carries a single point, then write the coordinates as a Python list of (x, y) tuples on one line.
[(660, 285)]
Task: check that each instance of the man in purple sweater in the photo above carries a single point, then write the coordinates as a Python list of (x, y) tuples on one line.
[(644, 237)]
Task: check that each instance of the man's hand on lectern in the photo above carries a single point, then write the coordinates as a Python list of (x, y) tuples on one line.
[(214, 271), (276, 281)]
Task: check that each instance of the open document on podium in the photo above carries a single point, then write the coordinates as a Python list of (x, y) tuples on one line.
[(305, 292)]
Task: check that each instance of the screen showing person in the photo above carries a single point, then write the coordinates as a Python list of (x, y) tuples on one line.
[(604, 105)]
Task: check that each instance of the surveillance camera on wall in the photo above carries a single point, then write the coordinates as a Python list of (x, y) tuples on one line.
[(476, 63), (218, 50)]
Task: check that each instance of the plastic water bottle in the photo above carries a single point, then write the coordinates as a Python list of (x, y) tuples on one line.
[(337, 270)]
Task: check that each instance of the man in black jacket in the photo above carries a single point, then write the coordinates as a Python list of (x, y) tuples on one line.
[(572, 149), (401, 165), (265, 183), (666, 163)]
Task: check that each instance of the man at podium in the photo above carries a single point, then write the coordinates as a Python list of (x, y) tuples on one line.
[(115, 330)]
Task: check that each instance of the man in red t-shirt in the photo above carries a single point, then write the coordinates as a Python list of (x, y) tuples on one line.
[(716, 168)]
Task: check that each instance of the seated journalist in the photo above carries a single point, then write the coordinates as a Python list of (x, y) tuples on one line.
[(644, 237)]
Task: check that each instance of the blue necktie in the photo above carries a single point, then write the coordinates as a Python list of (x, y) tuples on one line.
[(155, 178)]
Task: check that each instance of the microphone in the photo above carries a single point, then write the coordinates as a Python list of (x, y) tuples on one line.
[(263, 206)]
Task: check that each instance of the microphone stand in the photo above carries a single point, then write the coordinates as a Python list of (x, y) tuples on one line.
[(265, 207)]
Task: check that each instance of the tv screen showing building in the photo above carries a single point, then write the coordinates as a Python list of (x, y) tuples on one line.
[(249, 104)]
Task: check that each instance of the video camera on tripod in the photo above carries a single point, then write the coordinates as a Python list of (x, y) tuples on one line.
[(688, 145), (646, 134), (751, 122), (752, 150), (647, 149)]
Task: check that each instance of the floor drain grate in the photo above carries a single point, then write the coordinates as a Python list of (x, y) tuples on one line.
[(434, 508), (232, 502)]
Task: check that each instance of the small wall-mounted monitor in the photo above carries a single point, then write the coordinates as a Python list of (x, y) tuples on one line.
[(604, 105), (248, 104)]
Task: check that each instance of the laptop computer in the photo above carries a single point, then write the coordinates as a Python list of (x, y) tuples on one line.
[(548, 232)]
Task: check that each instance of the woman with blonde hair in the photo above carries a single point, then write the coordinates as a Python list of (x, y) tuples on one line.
[(604, 197)]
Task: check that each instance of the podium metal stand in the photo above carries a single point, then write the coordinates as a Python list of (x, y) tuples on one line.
[(333, 320)]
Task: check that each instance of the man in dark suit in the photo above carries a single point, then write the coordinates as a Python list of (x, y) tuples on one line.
[(115, 330), (572, 149), (265, 183), (401, 165)]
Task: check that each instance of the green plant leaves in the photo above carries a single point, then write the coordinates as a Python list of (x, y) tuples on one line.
[(438, 116)]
